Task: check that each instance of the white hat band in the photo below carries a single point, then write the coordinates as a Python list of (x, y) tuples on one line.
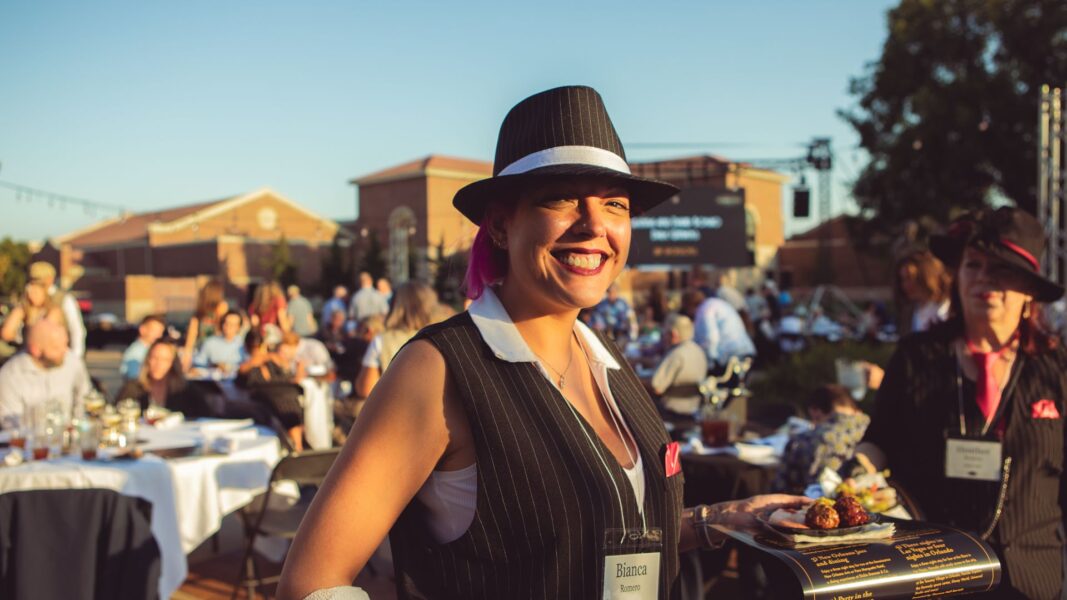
[(568, 155)]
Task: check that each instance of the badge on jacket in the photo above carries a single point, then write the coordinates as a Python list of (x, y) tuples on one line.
[(1044, 409), (672, 459)]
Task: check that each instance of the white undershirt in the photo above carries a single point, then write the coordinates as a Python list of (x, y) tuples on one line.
[(450, 497)]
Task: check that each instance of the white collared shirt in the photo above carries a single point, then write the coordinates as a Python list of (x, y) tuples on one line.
[(450, 496)]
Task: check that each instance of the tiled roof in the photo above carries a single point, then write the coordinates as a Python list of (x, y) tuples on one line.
[(133, 227), (421, 166)]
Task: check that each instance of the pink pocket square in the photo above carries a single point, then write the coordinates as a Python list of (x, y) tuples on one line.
[(1044, 409)]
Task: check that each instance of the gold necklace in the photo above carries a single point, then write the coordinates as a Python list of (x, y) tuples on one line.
[(562, 375)]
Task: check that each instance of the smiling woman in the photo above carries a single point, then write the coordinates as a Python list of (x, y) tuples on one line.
[(523, 458)]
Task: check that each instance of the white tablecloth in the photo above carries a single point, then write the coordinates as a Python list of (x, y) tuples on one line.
[(189, 496)]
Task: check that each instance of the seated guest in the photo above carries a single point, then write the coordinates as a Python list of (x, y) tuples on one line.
[(44, 371), (44, 274), (151, 329), (315, 357), (161, 382), (223, 352), (33, 305), (211, 307), (271, 380), (301, 314), (721, 332), (414, 304), (617, 315), (677, 378), (839, 426), (334, 304), (335, 332), (355, 347)]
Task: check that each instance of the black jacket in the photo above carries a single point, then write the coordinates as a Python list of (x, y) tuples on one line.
[(917, 408), (188, 399)]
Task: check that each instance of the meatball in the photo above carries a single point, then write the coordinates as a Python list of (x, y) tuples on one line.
[(851, 511), (822, 515)]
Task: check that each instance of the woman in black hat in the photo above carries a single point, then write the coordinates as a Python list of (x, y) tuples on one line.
[(510, 452), (969, 415)]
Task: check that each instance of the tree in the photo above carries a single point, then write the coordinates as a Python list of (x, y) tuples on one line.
[(14, 262), (948, 113), (448, 273), (338, 268), (280, 263), (373, 262)]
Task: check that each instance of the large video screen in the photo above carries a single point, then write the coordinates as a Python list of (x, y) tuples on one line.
[(699, 226)]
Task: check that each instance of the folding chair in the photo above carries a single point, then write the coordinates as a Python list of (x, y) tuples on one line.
[(260, 519)]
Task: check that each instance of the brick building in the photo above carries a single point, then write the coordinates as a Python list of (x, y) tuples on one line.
[(763, 197), (409, 208), (841, 253), (156, 261)]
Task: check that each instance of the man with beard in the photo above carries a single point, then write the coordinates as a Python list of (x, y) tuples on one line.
[(45, 371)]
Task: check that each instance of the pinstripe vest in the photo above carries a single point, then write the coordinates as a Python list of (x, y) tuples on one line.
[(544, 500)]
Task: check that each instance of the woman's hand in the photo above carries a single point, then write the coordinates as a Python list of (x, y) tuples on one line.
[(740, 514), (875, 374), (735, 514)]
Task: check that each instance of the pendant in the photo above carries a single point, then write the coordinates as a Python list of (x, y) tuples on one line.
[(561, 382)]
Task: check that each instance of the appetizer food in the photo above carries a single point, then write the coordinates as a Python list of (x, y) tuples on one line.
[(822, 515), (874, 497), (851, 511)]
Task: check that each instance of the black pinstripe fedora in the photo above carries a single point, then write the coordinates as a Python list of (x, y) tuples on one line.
[(562, 132)]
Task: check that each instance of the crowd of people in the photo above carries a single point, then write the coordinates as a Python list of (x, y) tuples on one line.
[(524, 405), (265, 348)]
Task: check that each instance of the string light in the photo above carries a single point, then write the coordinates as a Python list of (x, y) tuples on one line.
[(28, 194)]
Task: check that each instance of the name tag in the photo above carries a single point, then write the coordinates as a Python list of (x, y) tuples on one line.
[(973, 459), (631, 576)]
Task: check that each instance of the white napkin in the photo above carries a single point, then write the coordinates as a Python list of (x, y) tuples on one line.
[(170, 421), (871, 531), (222, 425), (13, 457), (754, 452), (230, 441)]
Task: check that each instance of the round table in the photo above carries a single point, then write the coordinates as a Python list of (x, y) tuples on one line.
[(189, 495)]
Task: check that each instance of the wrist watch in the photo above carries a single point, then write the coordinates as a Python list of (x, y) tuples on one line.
[(700, 519)]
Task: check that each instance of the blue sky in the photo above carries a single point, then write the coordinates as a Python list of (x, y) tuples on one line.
[(156, 104)]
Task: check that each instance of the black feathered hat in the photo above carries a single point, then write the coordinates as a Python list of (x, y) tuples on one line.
[(1010, 236)]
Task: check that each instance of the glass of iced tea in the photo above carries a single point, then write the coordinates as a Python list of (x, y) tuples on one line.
[(89, 439), (716, 432), (16, 431), (39, 446)]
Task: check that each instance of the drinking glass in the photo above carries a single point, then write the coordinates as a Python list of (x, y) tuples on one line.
[(94, 403), (129, 409), (89, 439), (18, 429), (110, 418), (714, 426)]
